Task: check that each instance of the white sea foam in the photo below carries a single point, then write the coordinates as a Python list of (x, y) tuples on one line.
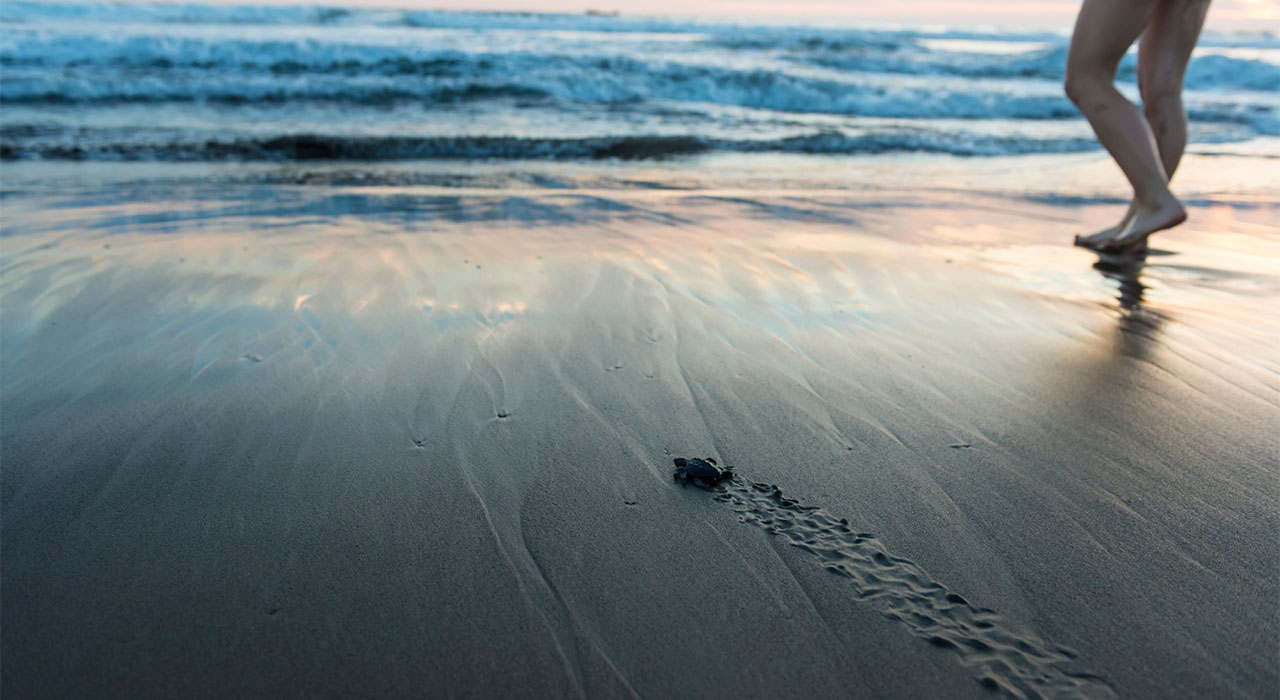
[(654, 79)]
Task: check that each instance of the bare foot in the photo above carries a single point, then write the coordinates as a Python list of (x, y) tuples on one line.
[(1130, 253), (1148, 220), (1095, 241)]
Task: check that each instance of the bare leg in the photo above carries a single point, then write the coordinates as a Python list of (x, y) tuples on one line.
[(1163, 54), (1104, 31)]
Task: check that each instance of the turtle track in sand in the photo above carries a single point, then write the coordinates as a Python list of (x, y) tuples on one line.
[(1004, 659)]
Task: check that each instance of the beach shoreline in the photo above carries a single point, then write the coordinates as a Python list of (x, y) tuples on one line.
[(387, 441)]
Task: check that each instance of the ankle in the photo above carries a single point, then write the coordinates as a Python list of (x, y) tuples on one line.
[(1158, 201)]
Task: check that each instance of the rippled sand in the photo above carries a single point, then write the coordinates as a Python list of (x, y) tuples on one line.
[(405, 441)]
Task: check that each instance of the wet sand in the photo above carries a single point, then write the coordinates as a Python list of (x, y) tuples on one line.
[(416, 441)]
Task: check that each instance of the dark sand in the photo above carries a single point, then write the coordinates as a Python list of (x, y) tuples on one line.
[(397, 442)]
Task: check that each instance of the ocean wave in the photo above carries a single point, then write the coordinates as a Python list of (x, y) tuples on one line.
[(120, 13), (1204, 72), (1260, 119), (42, 142), (853, 52), (18, 12), (692, 86), (151, 92), (1218, 72), (574, 82), (572, 79)]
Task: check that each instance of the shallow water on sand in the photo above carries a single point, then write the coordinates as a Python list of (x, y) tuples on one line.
[(298, 436)]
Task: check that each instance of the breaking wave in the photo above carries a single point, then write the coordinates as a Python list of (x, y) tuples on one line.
[(636, 80)]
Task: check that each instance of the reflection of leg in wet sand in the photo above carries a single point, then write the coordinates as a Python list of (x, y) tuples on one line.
[(1139, 325), (1146, 147), (1128, 276)]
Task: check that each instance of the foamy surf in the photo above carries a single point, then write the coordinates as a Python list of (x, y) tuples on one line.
[(193, 82)]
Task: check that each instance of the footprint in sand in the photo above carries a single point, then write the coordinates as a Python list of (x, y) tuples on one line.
[(1003, 658)]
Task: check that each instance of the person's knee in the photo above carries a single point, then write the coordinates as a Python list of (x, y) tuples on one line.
[(1161, 94), (1080, 85)]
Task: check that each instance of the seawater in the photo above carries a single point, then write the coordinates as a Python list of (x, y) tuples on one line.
[(213, 83)]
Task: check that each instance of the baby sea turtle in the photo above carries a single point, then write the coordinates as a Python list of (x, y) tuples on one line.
[(701, 472)]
